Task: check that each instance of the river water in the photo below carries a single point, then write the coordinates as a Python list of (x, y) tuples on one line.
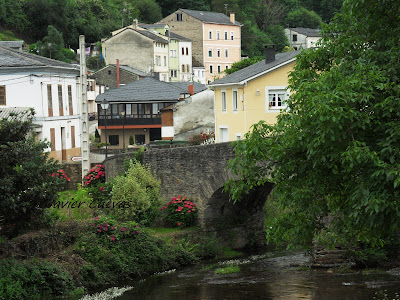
[(267, 276)]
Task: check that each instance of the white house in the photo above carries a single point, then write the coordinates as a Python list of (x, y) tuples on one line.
[(185, 59), (302, 38), (51, 88)]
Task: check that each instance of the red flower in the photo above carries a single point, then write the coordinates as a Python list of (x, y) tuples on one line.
[(91, 224), (102, 188), (179, 223), (96, 219)]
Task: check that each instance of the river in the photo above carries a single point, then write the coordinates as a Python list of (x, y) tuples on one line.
[(268, 276)]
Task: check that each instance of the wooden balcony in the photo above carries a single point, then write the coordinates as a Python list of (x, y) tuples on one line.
[(142, 119)]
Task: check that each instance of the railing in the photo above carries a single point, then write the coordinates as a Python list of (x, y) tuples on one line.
[(143, 119)]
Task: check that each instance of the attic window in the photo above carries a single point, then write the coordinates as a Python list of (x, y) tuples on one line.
[(109, 72), (179, 17)]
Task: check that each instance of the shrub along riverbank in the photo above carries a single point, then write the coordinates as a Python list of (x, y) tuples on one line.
[(73, 257)]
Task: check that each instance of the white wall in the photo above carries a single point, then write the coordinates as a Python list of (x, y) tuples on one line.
[(25, 90), (186, 60)]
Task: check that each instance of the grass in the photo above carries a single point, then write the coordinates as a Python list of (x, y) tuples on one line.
[(229, 253), (227, 270)]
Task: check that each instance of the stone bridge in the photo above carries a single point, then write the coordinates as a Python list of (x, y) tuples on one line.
[(199, 172)]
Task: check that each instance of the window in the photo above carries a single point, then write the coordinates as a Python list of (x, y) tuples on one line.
[(294, 38), (71, 110), (2, 95), (109, 72), (72, 136), (234, 100), (187, 68), (219, 69), (223, 101), (183, 68), (223, 134), (211, 69), (226, 67), (218, 52), (179, 17), (210, 35), (238, 136), (113, 140), (60, 100), (231, 35), (171, 53), (165, 61), (210, 52), (158, 60), (49, 100), (226, 35), (276, 98), (187, 51), (155, 109), (183, 51), (218, 35), (53, 139), (226, 53)]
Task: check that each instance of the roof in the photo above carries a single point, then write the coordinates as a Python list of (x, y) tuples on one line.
[(307, 31), (148, 26), (145, 90), (257, 69), (173, 35), (210, 17), (12, 44), (9, 112), (198, 87), (144, 32), (131, 70), (14, 58)]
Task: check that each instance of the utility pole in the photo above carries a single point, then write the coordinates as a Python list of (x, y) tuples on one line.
[(85, 151)]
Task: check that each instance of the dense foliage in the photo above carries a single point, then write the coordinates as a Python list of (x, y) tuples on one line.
[(180, 212), (263, 20), (139, 192), (26, 184), (334, 154)]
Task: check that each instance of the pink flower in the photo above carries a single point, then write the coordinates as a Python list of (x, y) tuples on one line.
[(189, 211), (113, 238), (91, 224), (173, 198), (102, 188), (96, 219), (179, 223), (99, 230), (160, 209), (105, 228), (113, 228), (123, 229)]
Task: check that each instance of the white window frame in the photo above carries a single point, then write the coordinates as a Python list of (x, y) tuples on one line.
[(210, 50), (218, 52), (226, 35), (223, 100), (238, 136), (232, 35), (226, 67), (211, 69), (210, 34), (220, 127), (219, 69), (218, 35), (235, 102), (269, 90), (226, 52)]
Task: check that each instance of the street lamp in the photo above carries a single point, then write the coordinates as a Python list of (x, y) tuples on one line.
[(123, 130), (104, 105)]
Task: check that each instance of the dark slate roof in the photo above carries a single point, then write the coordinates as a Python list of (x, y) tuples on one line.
[(144, 32), (210, 17), (255, 69), (307, 31), (179, 37), (145, 90), (12, 44), (13, 58), (149, 26), (198, 87), (8, 112), (131, 70)]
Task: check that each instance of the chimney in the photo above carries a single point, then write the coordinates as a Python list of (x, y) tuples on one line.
[(135, 23), (269, 53), (117, 73), (191, 89), (232, 17)]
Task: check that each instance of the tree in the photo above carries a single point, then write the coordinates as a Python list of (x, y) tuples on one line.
[(52, 44), (303, 17), (149, 11), (26, 184), (334, 153)]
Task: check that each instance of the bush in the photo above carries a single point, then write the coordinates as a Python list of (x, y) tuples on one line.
[(180, 212), (202, 138), (33, 280), (140, 191), (95, 176)]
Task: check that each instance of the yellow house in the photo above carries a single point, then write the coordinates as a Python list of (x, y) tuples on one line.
[(249, 95)]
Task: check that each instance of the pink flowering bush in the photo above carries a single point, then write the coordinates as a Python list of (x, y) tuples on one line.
[(61, 174), (181, 212), (108, 229), (202, 138), (95, 176)]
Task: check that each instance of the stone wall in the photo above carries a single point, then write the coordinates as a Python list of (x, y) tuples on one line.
[(108, 76)]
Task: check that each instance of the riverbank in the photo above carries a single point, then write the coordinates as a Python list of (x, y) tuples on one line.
[(73, 257)]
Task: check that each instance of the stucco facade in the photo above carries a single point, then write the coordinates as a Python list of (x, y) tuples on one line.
[(302, 38), (198, 30), (253, 103)]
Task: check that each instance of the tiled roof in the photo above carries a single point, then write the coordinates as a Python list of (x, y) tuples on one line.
[(152, 36), (255, 69), (307, 31), (9, 112), (179, 37), (145, 90), (12, 44), (13, 58), (210, 17)]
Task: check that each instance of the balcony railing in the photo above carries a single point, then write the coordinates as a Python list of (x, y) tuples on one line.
[(142, 119)]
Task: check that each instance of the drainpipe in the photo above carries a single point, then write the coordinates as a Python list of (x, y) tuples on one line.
[(117, 73)]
